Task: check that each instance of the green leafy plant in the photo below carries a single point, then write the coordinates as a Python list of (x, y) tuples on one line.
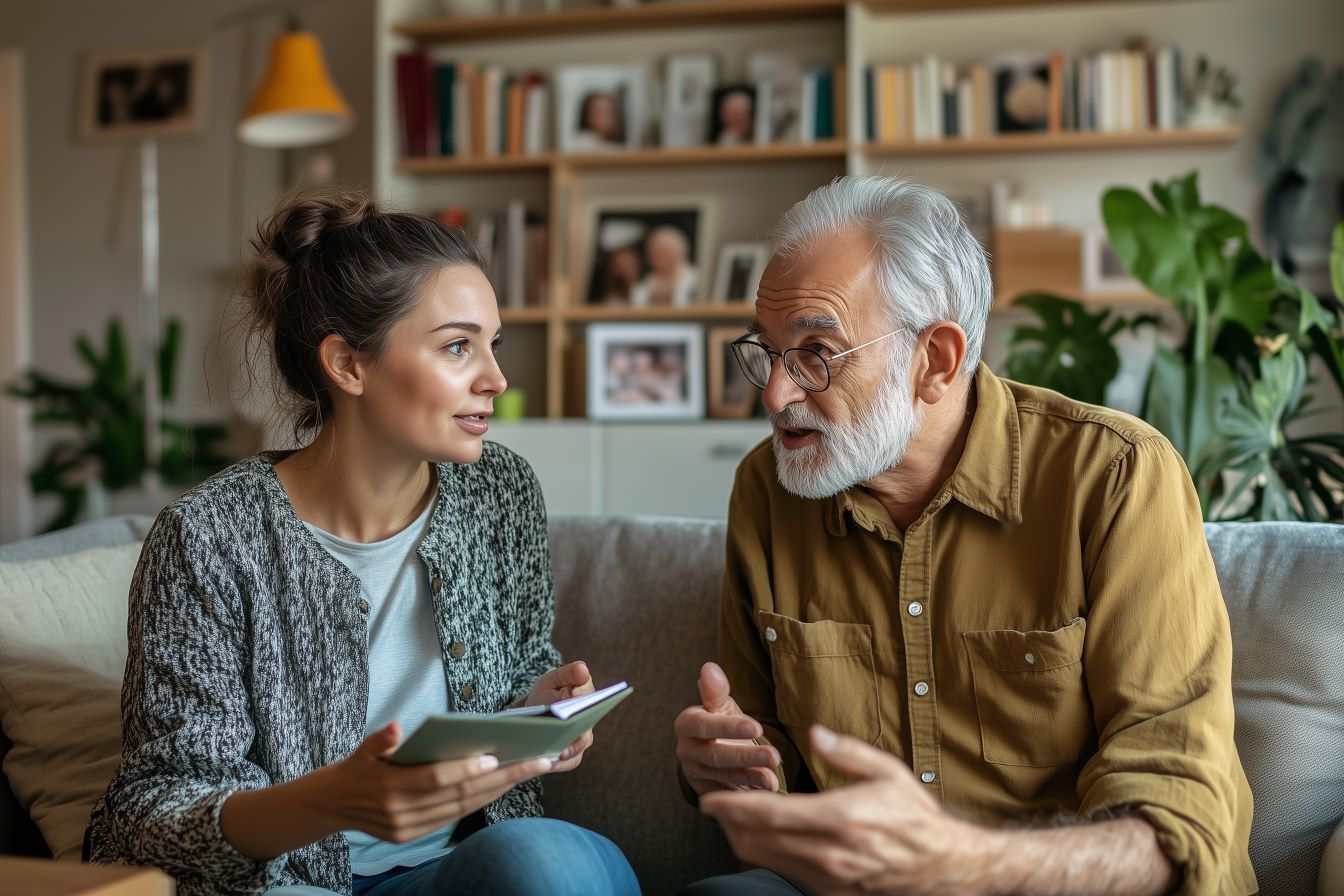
[(108, 418), (1068, 348), (1228, 395)]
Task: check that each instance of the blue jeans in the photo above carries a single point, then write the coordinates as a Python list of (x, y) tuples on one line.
[(521, 857), (756, 882)]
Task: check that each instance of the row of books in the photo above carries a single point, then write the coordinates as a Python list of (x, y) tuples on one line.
[(1107, 91), (467, 110), (516, 246)]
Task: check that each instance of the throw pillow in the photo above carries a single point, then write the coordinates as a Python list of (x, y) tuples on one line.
[(62, 657)]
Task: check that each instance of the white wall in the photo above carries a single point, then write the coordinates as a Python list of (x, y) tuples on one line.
[(83, 198)]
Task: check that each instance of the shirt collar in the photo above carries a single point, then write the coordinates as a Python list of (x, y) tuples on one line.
[(988, 478)]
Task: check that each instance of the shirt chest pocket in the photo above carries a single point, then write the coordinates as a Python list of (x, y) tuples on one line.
[(1030, 696), (824, 674)]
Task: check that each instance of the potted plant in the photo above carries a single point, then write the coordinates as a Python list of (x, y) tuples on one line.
[(106, 452)]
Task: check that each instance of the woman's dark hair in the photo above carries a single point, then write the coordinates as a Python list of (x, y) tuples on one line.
[(330, 260)]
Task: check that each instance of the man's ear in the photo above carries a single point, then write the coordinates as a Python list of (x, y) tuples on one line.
[(342, 364), (940, 351)]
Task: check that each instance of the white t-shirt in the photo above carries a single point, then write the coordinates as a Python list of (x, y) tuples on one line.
[(406, 675)]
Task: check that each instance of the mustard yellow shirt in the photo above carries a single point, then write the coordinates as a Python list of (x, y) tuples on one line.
[(1048, 637)]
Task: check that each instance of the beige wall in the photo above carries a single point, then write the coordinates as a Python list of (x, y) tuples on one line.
[(14, 503), (83, 225)]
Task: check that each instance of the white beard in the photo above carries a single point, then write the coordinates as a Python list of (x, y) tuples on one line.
[(845, 455)]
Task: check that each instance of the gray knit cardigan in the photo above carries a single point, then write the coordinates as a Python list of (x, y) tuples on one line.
[(248, 660)]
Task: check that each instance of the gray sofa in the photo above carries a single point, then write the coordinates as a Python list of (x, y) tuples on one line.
[(636, 599)]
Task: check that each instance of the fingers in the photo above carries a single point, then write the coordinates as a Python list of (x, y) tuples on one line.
[(714, 690), (730, 754), (704, 778), (698, 722), (858, 760), (381, 743), (584, 741)]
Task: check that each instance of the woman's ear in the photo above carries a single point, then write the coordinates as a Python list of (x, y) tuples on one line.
[(941, 351), (341, 364)]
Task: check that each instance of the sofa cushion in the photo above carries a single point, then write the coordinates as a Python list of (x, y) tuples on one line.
[(637, 599), (62, 657), (1283, 584)]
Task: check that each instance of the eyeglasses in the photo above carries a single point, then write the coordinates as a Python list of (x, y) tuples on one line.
[(805, 366)]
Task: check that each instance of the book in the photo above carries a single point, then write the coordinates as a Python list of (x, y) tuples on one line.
[(511, 735)]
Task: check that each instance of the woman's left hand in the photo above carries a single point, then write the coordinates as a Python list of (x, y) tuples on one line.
[(561, 684)]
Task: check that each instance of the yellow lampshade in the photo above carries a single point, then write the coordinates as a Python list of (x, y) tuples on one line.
[(296, 104)]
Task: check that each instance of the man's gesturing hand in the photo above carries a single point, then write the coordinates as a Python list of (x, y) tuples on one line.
[(715, 742)]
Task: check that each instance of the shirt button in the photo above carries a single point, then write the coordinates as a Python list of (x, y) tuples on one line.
[(467, 692), (458, 649), (915, 609), (927, 777), (770, 634), (363, 605), (921, 688), (436, 585), (1030, 658)]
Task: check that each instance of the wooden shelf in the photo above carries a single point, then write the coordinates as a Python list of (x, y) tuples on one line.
[(635, 158), (1065, 142), (479, 165), (600, 19), (536, 315), (604, 313)]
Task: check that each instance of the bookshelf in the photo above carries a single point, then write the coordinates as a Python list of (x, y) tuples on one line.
[(757, 183)]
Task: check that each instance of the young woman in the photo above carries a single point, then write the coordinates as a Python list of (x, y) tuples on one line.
[(292, 619)]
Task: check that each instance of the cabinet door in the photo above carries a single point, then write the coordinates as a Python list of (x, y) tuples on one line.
[(563, 455), (675, 470)]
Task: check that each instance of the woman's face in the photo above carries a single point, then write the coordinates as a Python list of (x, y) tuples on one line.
[(432, 391)]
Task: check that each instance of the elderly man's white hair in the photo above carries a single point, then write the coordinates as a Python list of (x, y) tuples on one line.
[(930, 268)]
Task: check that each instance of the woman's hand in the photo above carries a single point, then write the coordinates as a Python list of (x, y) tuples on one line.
[(398, 803), (561, 684)]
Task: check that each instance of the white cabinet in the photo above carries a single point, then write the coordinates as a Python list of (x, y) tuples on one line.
[(670, 469)]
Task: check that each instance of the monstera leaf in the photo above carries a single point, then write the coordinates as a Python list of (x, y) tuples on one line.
[(1069, 349)]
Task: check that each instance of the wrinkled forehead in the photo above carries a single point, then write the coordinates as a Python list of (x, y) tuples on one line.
[(829, 285)]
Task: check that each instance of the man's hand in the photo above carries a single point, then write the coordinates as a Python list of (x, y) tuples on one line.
[(882, 834), (715, 742), (561, 684)]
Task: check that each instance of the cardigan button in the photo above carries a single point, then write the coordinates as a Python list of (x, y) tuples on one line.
[(458, 649), (467, 692), (363, 605), (436, 585)]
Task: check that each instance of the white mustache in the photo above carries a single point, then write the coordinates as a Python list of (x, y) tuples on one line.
[(795, 416)]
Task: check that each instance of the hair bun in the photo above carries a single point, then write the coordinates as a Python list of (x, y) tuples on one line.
[(299, 223)]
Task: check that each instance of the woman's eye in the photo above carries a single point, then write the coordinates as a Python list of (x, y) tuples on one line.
[(458, 348), (494, 346)]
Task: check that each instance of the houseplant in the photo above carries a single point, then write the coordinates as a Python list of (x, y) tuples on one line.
[(1232, 397), (106, 451)]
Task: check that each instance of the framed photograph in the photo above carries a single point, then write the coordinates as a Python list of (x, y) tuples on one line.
[(599, 107), (778, 79), (138, 94), (1021, 93), (647, 252), (731, 394), (688, 81), (1102, 269), (739, 272), (733, 118), (645, 372)]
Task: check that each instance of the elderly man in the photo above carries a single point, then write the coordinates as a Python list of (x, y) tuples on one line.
[(971, 638)]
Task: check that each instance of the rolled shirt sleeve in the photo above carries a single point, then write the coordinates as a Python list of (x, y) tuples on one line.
[(1158, 655)]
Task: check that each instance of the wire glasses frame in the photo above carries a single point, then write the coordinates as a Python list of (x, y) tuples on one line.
[(805, 366)]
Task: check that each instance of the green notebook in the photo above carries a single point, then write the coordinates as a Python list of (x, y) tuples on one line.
[(511, 734)]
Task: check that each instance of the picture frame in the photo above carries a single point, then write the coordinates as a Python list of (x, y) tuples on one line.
[(141, 94), (599, 108), (738, 274), (1103, 273), (731, 394), (645, 372), (688, 81), (647, 251), (732, 119), (1021, 93)]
